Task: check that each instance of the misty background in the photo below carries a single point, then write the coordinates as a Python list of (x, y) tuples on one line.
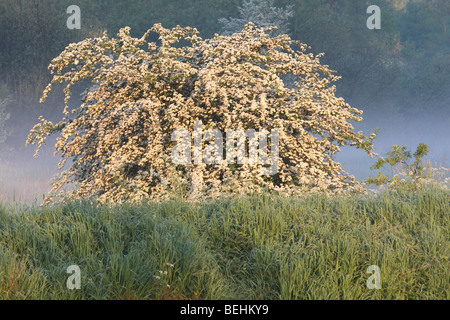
[(398, 75)]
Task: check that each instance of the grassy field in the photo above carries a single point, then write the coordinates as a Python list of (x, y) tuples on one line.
[(261, 247)]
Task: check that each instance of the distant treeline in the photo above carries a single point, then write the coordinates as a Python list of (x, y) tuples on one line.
[(408, 57)]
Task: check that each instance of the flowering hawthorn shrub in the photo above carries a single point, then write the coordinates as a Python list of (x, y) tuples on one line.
[(119, 138)]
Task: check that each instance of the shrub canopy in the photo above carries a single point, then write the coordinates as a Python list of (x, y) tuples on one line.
[(119, 138)]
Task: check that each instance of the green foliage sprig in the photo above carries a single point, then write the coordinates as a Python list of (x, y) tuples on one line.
[(400, 156)]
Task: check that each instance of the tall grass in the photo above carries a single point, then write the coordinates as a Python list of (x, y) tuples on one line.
[(261, 247)]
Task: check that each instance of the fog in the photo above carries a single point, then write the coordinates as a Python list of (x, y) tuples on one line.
[(409, 103), (395, 128), (27, 179)]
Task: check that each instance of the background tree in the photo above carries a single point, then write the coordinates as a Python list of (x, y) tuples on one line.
[(407, 58), (31, 32), (423, 29), (263, 13), (365, 58)]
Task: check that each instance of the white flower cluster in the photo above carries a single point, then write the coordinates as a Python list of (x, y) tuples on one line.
[(164, 274)]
